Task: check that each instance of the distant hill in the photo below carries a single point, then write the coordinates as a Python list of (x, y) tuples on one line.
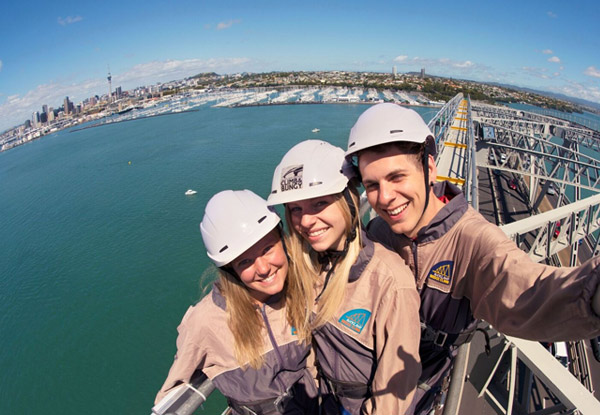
[(563, 97)]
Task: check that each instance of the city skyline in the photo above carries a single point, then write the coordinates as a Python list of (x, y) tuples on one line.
[(68, 50)]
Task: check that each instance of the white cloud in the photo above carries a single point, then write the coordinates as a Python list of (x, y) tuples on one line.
[(0, 65), (547, 52), (537, 72), (575, 89), (592, 71), (162, 71), (441, 63), (465, 64), (554, 59), (17, 108), (228, 24), (69, 20), (552, 15)]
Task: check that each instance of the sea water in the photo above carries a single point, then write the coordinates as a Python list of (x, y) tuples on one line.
[(101, 254)]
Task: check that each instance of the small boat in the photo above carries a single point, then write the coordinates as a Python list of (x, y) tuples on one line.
[(315, 130), (190, 192)]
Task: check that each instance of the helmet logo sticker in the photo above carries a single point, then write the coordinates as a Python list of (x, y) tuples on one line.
[(355, 319), (291, 177)]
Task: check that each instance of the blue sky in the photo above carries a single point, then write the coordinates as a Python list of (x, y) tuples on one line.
[(50, 50)]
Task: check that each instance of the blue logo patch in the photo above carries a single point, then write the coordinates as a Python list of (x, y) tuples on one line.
[(442, 272), (294, 331), (356, 319)]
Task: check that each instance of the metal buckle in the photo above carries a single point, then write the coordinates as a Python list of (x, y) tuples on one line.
[(248, 411), (440, 335), (283, 399)]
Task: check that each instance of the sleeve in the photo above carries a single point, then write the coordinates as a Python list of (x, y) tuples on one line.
[(525, 299), (190, 357), (397, 336)]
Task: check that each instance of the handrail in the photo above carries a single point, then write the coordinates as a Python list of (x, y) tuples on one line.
[(186, 398)]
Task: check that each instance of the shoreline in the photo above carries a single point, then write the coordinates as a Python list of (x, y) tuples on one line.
[(100, 124), (179, 104)]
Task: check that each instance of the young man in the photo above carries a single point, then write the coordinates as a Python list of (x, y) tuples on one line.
[(465, 267)]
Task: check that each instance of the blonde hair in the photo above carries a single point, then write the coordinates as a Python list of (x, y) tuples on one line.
[(245, 321), (305, 261)]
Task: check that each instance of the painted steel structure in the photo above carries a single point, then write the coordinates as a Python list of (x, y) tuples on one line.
[(545, 152)]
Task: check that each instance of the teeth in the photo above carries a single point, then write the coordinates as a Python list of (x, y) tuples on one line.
[(316, 233), (269, 278), (398, 210)]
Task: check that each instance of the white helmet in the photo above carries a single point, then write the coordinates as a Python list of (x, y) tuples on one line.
[(386, 123), (233, 222), (312, 168)]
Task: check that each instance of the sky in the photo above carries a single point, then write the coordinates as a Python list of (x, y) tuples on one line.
[(50, 50)]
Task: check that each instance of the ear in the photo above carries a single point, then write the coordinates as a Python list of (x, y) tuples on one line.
[(432, 169)]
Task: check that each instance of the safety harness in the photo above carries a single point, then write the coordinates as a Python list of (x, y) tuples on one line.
[(264, 407)]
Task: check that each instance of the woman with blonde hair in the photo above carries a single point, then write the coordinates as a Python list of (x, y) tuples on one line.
[(249, 335), (366, 314)]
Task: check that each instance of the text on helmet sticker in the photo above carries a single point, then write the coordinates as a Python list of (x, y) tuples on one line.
[(355, 319), (291, 177)]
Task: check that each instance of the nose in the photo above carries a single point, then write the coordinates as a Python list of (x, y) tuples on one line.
[(261, 265), (307, 221), (386, 194)]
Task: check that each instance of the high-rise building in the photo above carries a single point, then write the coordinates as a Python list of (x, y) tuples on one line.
[(422, 72), (35, 119), (44, 116), (67, 106), (118, 92), (109, 77), (50, 114), (394, 70)]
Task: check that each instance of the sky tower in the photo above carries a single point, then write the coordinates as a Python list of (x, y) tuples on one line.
[(109, 77)]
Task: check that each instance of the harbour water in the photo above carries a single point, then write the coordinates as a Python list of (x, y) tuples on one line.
[(101, 252)]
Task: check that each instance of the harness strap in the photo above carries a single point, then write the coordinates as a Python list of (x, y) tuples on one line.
[(350, 389), (445, 340), (264, 407), (342, 389)]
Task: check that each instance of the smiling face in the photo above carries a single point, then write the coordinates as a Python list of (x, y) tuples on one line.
[(395, 185), (320, 221), (263, 268)]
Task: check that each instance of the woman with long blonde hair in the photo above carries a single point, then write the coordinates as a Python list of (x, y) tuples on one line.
[(250, 334), (366, 312)]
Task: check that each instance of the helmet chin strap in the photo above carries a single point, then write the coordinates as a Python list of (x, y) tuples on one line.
[(426, 174), (332, 256)]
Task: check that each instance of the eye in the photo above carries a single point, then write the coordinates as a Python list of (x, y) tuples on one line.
[(268, 249), (294, 209), (370, 187), (244, 263)]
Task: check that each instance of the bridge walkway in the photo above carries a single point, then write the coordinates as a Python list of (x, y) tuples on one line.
[(452, 160)]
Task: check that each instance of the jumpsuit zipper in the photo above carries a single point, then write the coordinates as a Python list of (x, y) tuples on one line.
[(415, 257), (282, 387)]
